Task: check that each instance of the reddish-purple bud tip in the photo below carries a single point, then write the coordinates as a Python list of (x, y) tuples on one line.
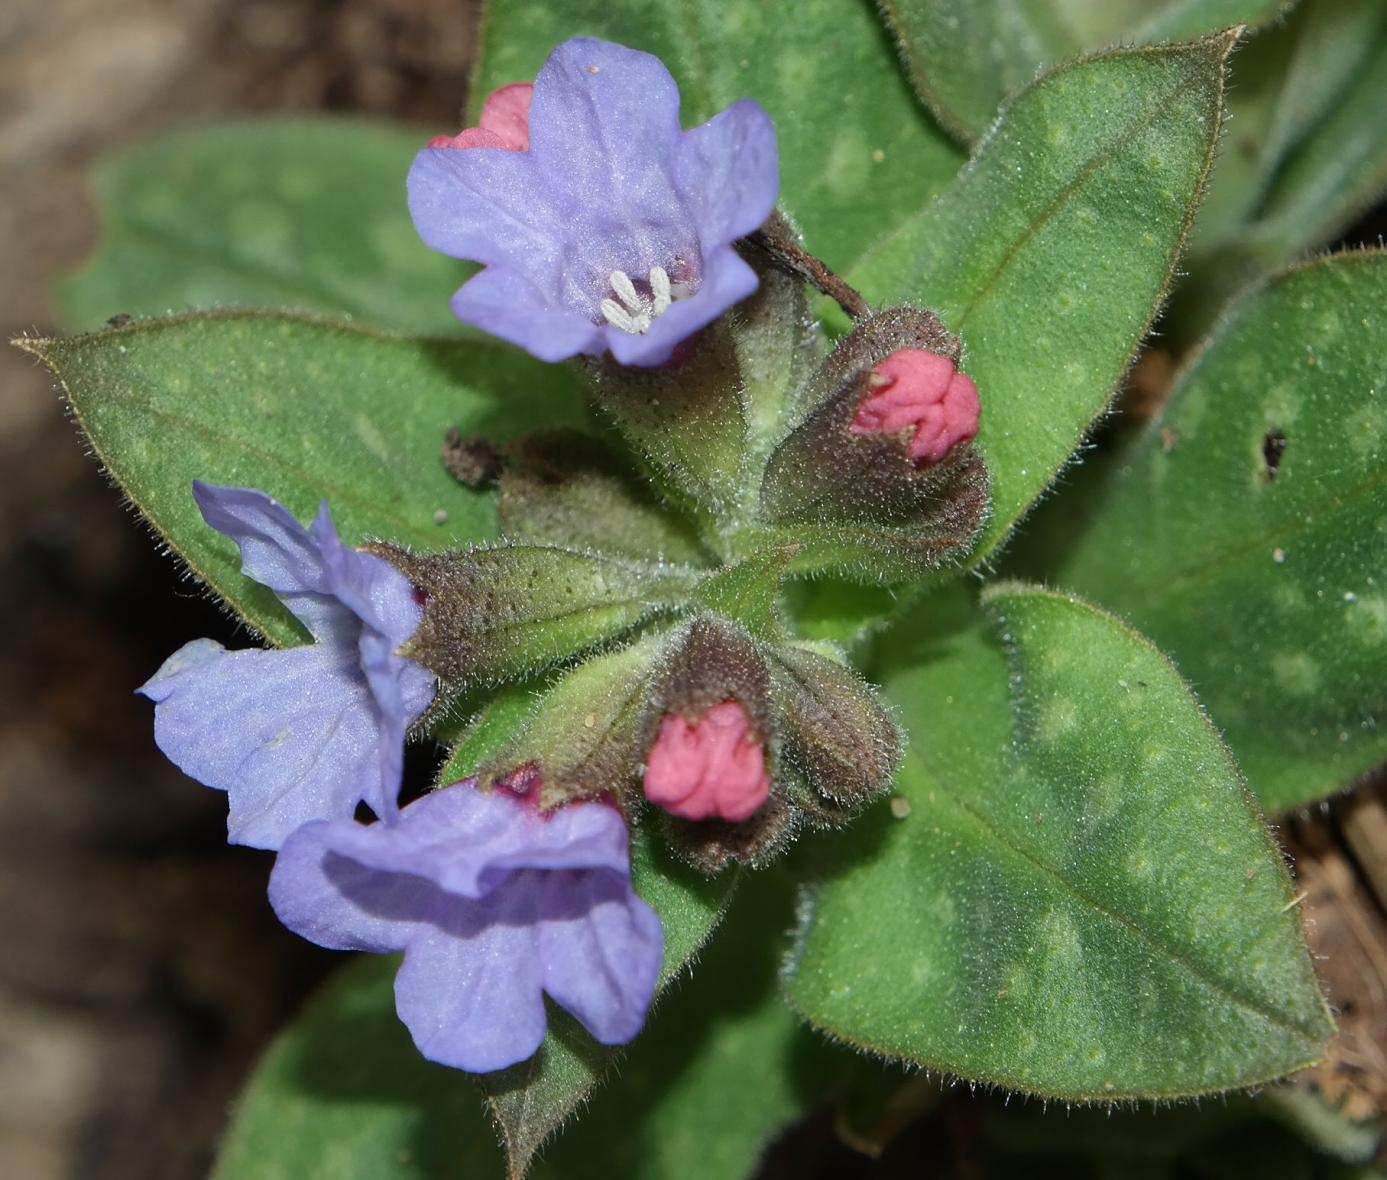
[(711, 769), (505, 122), (923, 390)]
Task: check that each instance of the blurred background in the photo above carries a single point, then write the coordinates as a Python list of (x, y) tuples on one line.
[(141, 971)]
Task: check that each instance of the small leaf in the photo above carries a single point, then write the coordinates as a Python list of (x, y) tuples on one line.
[(842, 611), (493, 614), (749, 591), (583, 735), (966, 56), (1338, 170), (1050, 255), (302, 213), (303, 410), (857, 153), (1078, 899), (1244, 531), (566, 488)]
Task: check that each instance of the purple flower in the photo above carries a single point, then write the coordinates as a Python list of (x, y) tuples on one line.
[(494, 903), (308, 732), (614, 230)]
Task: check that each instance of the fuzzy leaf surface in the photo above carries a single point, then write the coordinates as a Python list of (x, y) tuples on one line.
[(857, 152), (966, 56), (1052, 252), (1246, 530), (303, 410), (307, 214), (1082, 901)]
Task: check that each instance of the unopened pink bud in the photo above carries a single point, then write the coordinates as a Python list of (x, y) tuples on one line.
[(505, 122), (710, 769), (923, 390)]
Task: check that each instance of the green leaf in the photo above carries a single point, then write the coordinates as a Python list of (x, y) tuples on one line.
[(1052, 252), (856, 151), (1286, 80), (304, 213), (583, 734), (966, 56), (1081, 901), (842, 611), (1270, 593), (1305, 151), (749, 591), (344, 1095), (503, 612), (566, 488), (302, 409), (1339, 169)]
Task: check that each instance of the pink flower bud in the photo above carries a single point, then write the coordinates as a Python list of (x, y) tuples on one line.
[(710, 769), (505, 122), (914, 388)]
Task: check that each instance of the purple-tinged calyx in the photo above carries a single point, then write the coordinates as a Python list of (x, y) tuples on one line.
[(613, 231), (495, 904), (309, 732)]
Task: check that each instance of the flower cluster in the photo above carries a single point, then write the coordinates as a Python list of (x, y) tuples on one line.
[(493, 902), (601, 225), (603, 229)]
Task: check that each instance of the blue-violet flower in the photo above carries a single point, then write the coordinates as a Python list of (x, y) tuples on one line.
[(308, 732), (613, 230), (494, 903)]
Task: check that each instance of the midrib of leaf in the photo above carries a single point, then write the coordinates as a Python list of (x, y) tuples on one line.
[(1100, 161), (1055, 873), (1295, 522), (1103, 157), (1168, 583)]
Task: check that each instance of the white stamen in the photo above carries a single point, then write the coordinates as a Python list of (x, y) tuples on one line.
[(636, 312), (626, 291), (619, 317), (659, 287)]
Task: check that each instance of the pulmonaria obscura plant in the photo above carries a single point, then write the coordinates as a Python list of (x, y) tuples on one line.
[(688, 539)]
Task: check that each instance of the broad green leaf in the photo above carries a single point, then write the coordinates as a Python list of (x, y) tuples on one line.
[(1270, 593), (966, 56), (303, 410), (1052, 251), (1081, 900), (307, 214), (857, 153), (530, 1101), (343, 1095)]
